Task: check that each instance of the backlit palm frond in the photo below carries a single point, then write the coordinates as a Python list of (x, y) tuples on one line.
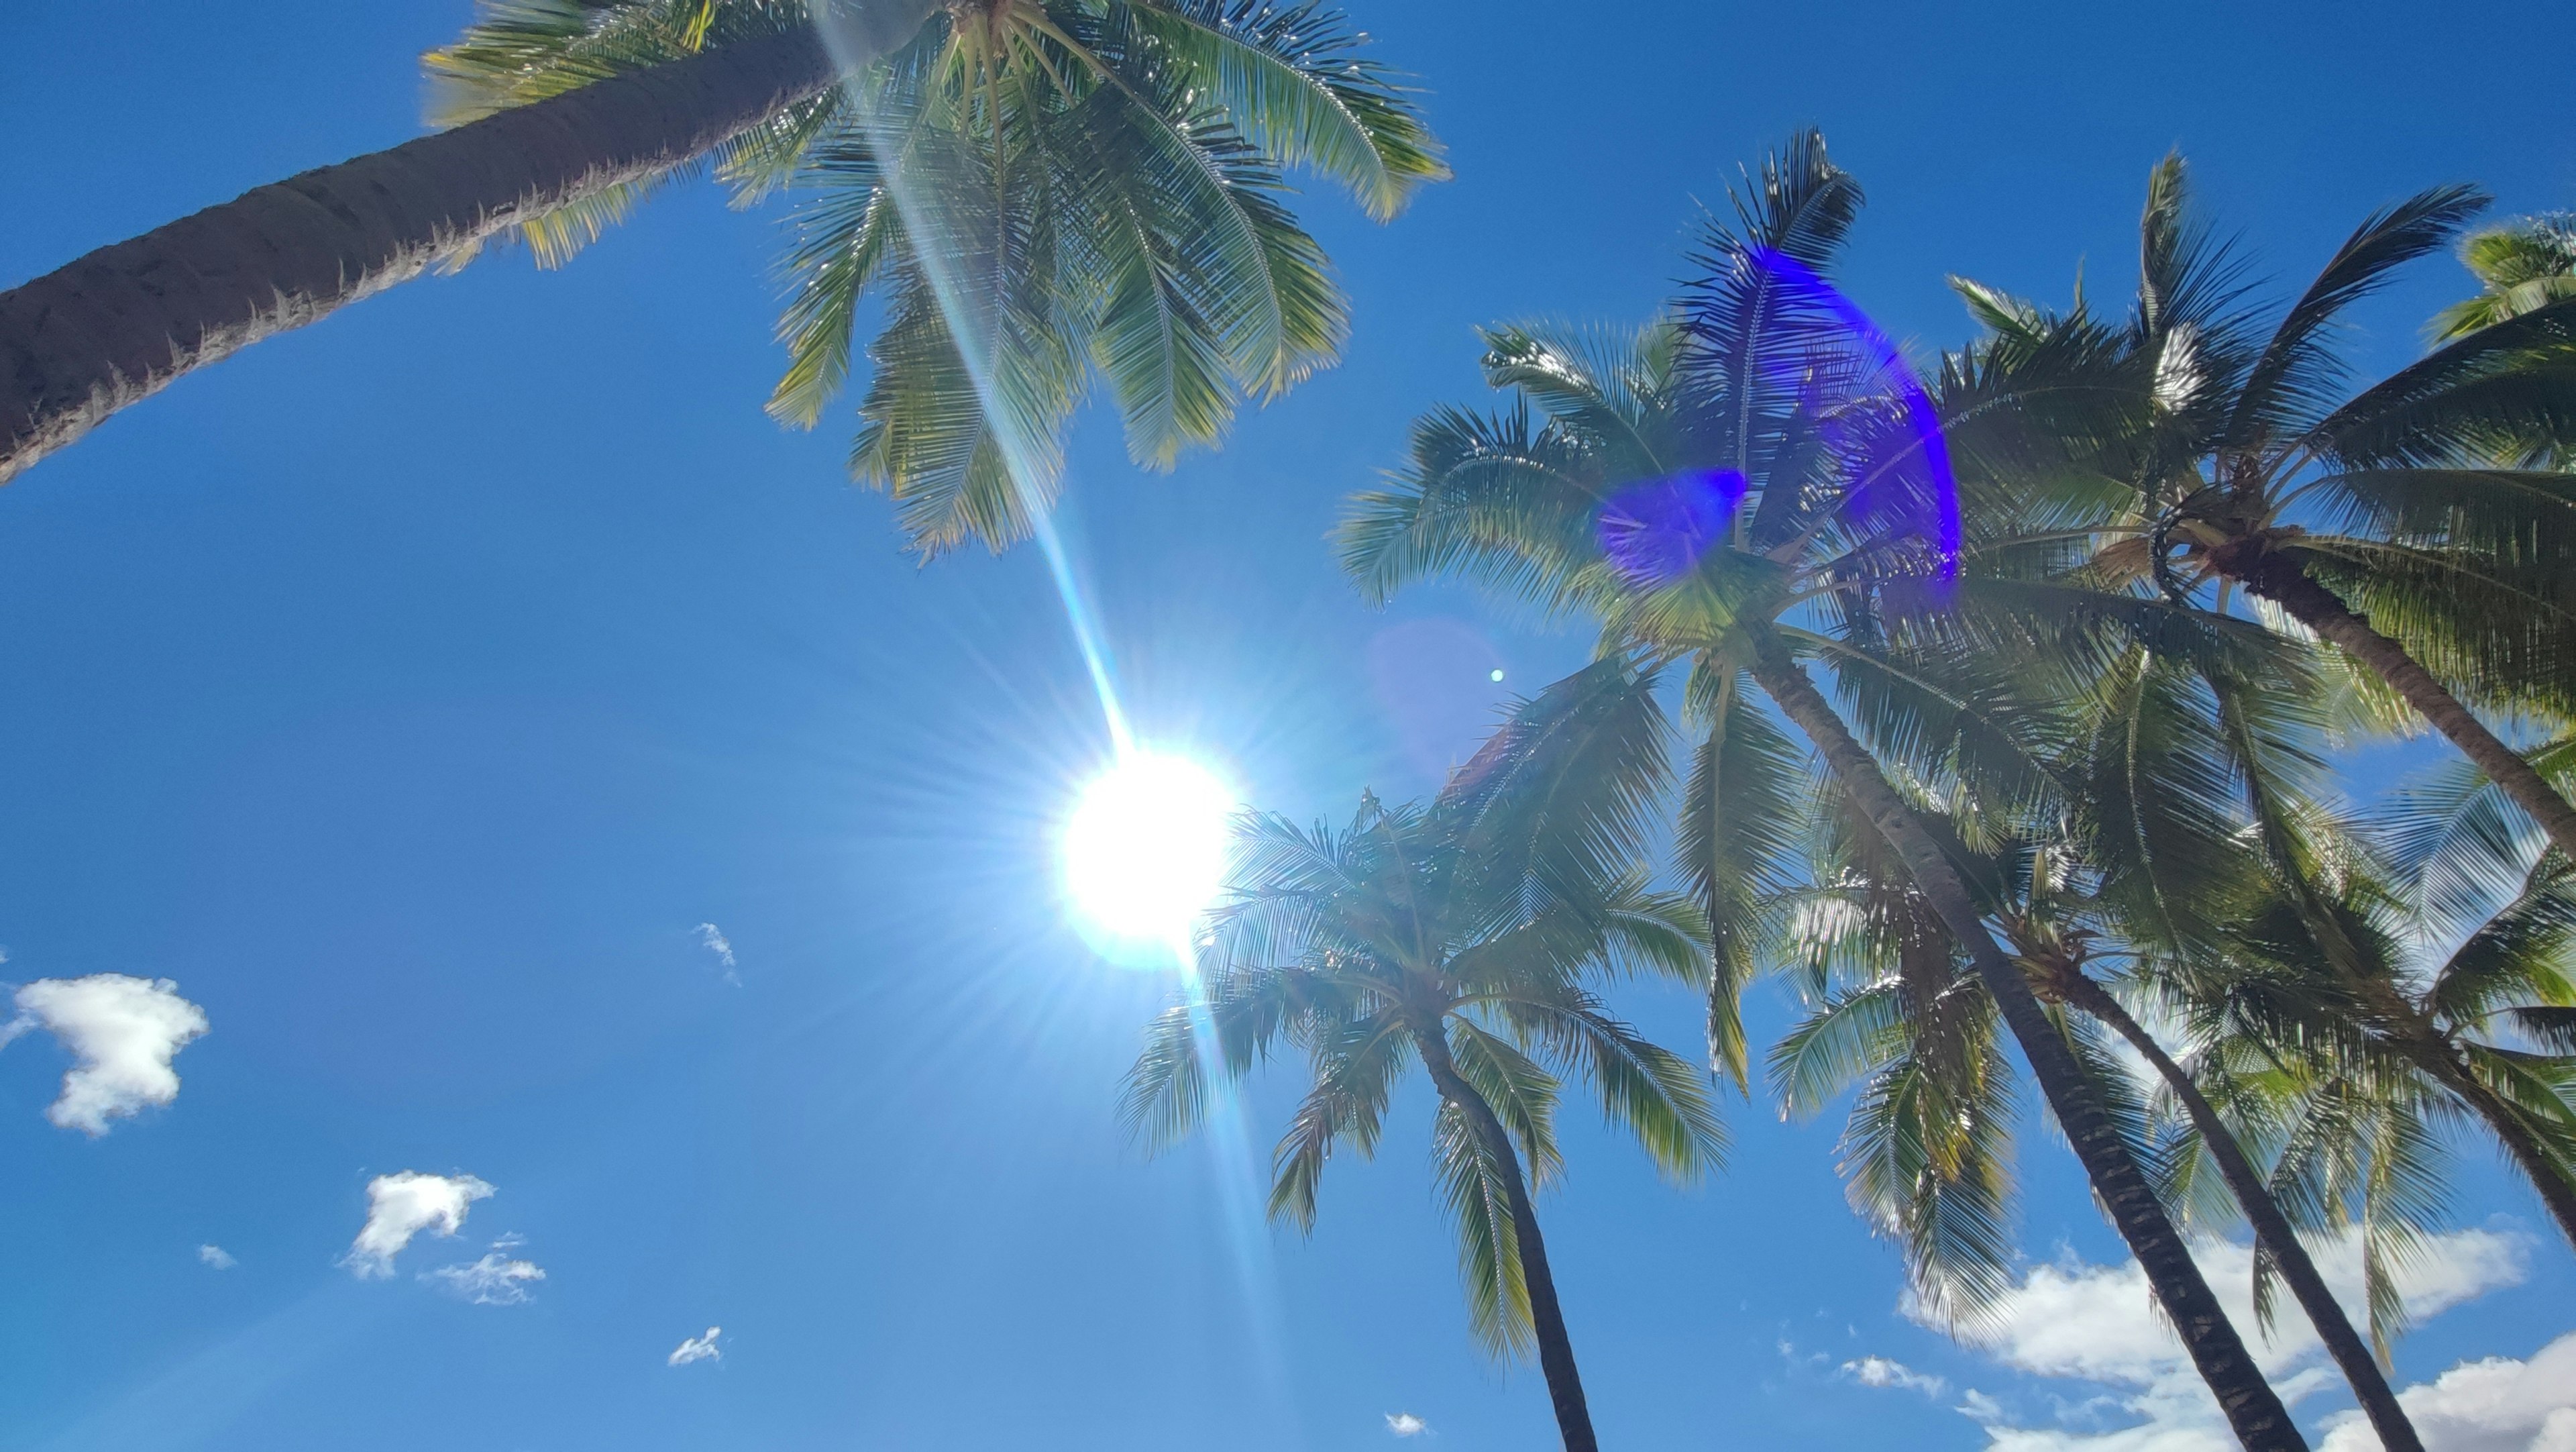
[(2161, 806), (1207, 286), (2499, 642), (1521, 1093), (1552, 810), (1293, 81), (2191, 286), (518, 51), (2519, 525), (1473, 1184), (2514, 379), (2298, 378), (1650, 932), (1610, 387), (845, 239), (979, 365), (1165, 1093), (1489, 498), (1735, 843), (2357, 1153), (1846, 1037), (2521, 956), (1926, 1157), (1947, 718), (2524, 265), (2553, 1028), (1354, 1076), (1763, 339)]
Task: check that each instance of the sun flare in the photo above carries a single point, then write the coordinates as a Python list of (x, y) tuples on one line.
[(1145, 852)]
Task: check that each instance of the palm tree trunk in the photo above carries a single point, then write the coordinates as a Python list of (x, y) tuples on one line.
[(2351, 1353), (2286, 583), (1555, 1348), (2252, 1409), (118, 325)]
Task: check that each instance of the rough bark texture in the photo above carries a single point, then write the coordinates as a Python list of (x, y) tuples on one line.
[(1555, 1348), (2351, 1353), (2252, 1409), (2281, 581), (119, 324)]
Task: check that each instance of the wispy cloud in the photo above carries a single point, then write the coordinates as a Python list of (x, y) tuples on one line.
[(217, 1257), (699, 1348), (2097, 1324), (495, 1280), (400, 1207), (1406, 1424), (1878, 1371), (714, 940), (122, 1034)]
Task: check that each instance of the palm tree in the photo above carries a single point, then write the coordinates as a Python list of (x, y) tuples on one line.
[(566, 111), (2417, 1002), (2217, 454), (1895, 1013), (2059, 954), (2523, 266), (1749, 486), (1459, 934)]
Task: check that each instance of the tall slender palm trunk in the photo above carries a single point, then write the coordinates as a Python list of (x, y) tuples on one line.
[(1555, 1348), (2253, 1410), (2272, 1229), (2287, 584), (120, 324)]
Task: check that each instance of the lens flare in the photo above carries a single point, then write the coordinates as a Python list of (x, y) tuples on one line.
[(1145, 853)]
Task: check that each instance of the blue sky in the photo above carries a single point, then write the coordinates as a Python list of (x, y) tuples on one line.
[(410, 689)]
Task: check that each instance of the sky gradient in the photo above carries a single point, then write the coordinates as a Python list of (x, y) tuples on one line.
[(547, 775)]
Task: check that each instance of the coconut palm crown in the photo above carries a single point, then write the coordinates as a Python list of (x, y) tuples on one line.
[(1758, 483), (1044, 193), (2223, 459), (1467, 936)]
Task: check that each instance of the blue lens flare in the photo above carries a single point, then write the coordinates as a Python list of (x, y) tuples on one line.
[(1862, 402), (1655, 532), (1912, 476)]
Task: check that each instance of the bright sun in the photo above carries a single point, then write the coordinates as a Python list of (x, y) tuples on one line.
[(1145, 853)]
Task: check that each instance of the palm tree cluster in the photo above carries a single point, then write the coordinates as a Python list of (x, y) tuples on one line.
[(1987, 700), (1044, 190), (2000, 692)]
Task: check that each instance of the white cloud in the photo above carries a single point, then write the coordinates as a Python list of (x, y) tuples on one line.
[(2495, 1405), (2097, 1324), (1406, 1424), (122, 1034), (1878, 1371), (699, 1348), (717, 943), (400, 1207), (491, 1281), (217, 1257)]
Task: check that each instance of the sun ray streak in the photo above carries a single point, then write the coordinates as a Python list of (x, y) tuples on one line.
[(1246, 1225)]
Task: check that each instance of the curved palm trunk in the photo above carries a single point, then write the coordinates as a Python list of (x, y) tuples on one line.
[(2351, 1353), (2253, 1410), (1555, 1348), (2286, 584), (118, 325)]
